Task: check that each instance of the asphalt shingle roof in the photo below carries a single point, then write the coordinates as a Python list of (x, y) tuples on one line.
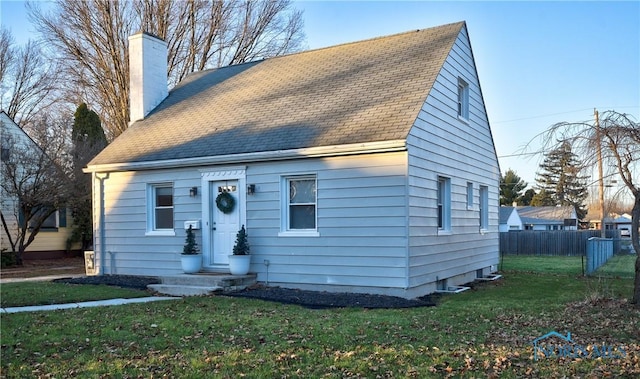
[(546, 214), (359, 92)]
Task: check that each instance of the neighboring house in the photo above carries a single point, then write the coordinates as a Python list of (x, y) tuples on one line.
[(51, 240), (509, 219), (364, 167), (548, 218), (613, 221), (623, 223)]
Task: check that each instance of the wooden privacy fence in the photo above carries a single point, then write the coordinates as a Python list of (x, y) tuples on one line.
[(555, 242)]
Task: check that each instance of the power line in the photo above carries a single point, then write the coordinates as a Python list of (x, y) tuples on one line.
[(559, 113)]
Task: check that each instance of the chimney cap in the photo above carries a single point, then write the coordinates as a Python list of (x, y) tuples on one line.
[(143, 33)]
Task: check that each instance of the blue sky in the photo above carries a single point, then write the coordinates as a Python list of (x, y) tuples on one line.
[(539, 62)]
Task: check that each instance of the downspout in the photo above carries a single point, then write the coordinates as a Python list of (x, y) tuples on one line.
[(101, 222)]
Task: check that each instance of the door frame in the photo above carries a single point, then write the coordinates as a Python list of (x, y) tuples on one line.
[(220, 174)]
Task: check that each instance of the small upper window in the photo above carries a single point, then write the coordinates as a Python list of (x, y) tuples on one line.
[(463, 99), (469, 195), (161, 207)]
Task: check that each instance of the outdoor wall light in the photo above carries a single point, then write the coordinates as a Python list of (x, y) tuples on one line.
[(251, 189), (193, 191)]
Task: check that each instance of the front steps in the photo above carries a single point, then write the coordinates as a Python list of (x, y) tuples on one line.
[(201, 284)]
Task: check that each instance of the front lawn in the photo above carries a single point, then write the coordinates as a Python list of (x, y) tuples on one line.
[(44, 293), (485, 332)]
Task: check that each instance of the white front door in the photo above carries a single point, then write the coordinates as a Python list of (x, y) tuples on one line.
[(224, 226)]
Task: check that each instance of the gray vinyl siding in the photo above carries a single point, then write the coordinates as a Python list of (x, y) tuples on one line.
[(361, 221), (129, 250), (440, 144)]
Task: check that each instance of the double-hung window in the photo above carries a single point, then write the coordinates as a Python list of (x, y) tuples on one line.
[(51, 223), (160, 207), (484, 208), (299, 204), (444, 204), (463, 99)]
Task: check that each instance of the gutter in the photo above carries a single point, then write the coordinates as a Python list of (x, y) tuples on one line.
[(263, 156)]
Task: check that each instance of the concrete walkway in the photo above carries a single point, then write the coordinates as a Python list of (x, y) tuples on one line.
[(86, 304)]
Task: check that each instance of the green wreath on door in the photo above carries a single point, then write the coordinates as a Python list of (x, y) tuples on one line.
[(225, 202)]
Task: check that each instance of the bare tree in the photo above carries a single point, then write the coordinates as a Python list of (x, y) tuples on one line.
[(617, 137), (27, 79), (90, 40), (34, 184)]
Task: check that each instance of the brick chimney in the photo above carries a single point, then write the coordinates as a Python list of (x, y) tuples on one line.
[(147, 74)]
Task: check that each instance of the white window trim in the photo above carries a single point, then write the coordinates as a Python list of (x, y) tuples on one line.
[(445, 198), (469, 196), (462, 105), (284, 207), (151, 210)]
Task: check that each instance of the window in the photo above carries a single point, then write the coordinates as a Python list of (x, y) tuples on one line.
[(469, 195), (49, 224), (5, 154), (484, 208), (463, 99), (444, 204), (300, 203), (161, 207)]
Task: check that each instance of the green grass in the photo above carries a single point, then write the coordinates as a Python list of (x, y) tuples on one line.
[(44, 293), (542, 264), (485, 332), (619, 266)]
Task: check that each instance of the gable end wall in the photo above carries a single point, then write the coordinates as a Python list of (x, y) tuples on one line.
[(440, 144)]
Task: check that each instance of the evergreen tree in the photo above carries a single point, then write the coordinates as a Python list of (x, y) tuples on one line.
[(88, 139), (528, 196), (511, 187), (241, 246), (542, 199), (190, 245), (560, 179), (87, 127)]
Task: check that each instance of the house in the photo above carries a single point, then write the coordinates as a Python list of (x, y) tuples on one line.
[(509, 219), (50, 242), (548, 218), (613, 222), (623, 224), (365, 167)]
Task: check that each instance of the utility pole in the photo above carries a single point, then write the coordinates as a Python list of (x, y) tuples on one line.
[(600, 179)]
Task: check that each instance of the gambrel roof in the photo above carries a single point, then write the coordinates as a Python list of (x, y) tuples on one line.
[(362, 92)]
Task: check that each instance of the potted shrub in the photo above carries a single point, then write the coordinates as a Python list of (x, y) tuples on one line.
[(190, 259), (240, 260)]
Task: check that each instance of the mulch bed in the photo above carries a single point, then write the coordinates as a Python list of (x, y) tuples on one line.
[(309, 299), (319, 300)]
